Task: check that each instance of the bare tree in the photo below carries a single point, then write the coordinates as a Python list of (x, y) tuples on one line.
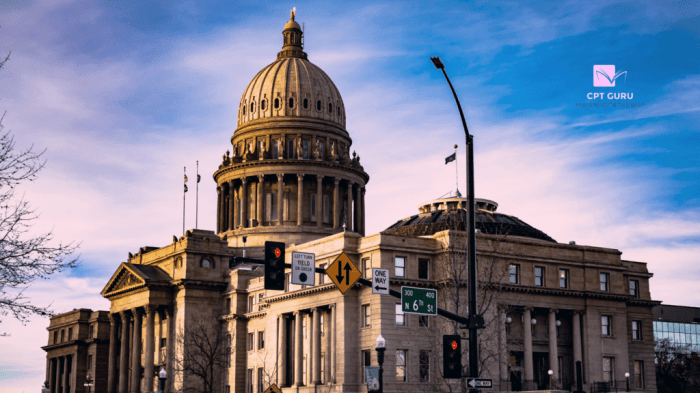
[(677, 367), (204, 355), (24, 257)]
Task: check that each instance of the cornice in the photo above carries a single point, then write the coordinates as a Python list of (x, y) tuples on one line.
[(309, 163), (302, 292)]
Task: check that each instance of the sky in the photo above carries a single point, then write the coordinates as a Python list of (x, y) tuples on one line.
[(123, 94)]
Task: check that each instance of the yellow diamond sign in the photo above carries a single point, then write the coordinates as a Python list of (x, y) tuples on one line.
[(343, 273), (273, 389)]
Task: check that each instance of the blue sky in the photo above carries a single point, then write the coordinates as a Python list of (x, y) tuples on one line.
[(124, 94)]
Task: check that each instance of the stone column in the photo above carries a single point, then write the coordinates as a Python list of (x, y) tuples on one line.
[(282, 351), (327, 327), (112, 367), (576, 322), (319, 200), (309, 356), (261, 200), (136, 352), (57, 375), (280, 192), (124, 354), (300, 199), (336, 203), (52, 375), (317, 346), (64, 375), (218, 208), (503, 343), (553, 353), (159, 338), (358, 221), (527, 341), (244, 204), (150, 347), (170, 357), (298, 350), (231, 206), (348, 211), (362, 211), (332, 328)]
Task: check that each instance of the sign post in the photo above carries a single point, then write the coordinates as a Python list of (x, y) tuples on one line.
[(303, 268), (343, 272), (419, 300), (380, 281)]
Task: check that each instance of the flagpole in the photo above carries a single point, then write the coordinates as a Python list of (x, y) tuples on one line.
[(196, 209), (184, 193), (456, 171)]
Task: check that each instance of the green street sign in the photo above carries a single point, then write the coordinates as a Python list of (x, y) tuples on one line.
[(419, 300)]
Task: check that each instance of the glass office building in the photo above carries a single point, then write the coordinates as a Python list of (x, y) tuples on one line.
[(680, 325)]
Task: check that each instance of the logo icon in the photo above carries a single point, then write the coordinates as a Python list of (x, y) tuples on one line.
[(605, 76)]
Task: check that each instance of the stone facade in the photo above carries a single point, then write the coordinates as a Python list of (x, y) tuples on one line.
[(289, 176)]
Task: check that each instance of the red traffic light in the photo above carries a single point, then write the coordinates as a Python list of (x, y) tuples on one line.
[(454, 345), (277, 252)]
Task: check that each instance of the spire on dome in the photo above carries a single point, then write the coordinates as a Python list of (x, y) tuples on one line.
[(294, 12)]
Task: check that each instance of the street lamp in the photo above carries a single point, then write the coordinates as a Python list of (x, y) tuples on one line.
[(88, 383), (162, 377), (627, 376), (471, 233), (381, 344), (550, 372)]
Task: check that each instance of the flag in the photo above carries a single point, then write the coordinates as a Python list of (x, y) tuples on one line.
[(451, 158), (185, 187), (199, 178), (185, 178)]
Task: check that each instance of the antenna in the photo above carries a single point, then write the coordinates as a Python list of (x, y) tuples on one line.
[(196, 211)]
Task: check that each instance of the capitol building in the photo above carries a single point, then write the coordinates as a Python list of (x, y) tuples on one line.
[(289, 174)]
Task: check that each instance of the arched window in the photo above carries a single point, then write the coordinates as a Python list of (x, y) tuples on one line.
[(330, 108), (252, 107), (277, 103), (338, 110), (243, 110), (292, 37), (206, 262), (263, 104), (306, 103), (291, 102), (318, 105)]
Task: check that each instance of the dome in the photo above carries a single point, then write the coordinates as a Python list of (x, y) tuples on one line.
[(450, 213), (291, 87)]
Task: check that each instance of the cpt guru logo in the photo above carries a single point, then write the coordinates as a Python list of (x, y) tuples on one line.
[(605, 76)]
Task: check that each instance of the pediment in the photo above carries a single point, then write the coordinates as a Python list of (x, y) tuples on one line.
[(122, 280)]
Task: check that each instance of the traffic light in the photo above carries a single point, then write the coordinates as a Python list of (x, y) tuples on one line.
[(274, 266), (452, 356)]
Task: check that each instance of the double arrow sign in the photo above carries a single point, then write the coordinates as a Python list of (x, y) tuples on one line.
[(348, 270), (343, 273)]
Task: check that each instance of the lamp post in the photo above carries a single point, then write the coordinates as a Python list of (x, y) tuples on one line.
[(550, 372), (88, 382), (162, 377), (381, 344), (471, 233), (627, 376)]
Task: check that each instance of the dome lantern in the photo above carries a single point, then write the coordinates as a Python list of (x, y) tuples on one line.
[(293, 45)]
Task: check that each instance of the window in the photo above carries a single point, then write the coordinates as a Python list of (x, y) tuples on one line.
[(252, 107), (609, 369), (243, 109), (228, 389), (251, 302), (539, 276), (277, 103), (400, 317), (290, 149), (70, 333), (322, 327), (604, 282), (366, 315), (260, 300), (423, 320), (228, 341), (423, 265), (323, 368), (424, 370), (89, 365), (399, 266), (55, 337), (263, 104), (513, 272), (250, 380), (401, 365), (303, 377), (636, 330), (605, 323), (63, 335), (251, 342), (206, 262), (326, 209), (227, 361), (322, 276), (366, 362), (291, 102), (318, 105), (228, 305), (306, 149), (261, 388), (312, 204), (367, 268), (330, 108), (563, 278), (261, 340), (306, 103), (639, 374), (634, 288)]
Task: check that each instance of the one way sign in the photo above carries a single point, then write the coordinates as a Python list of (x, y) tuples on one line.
[(380, 281), (480, 382)]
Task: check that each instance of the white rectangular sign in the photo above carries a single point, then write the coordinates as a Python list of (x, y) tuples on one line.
[(380, 281), (303, 268)]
